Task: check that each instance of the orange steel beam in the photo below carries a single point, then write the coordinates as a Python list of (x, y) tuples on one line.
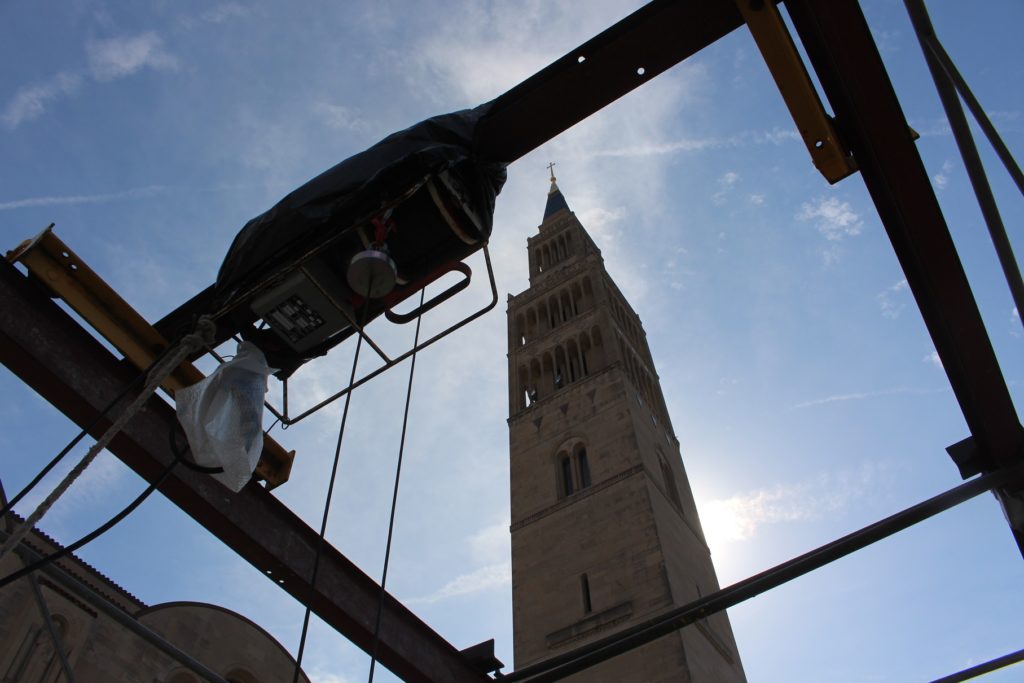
[(65, 274)]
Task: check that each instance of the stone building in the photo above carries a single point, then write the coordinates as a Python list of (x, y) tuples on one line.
[(605, 532), (99, 648)]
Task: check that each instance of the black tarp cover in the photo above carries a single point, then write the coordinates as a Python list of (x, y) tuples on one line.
[(363, 185)]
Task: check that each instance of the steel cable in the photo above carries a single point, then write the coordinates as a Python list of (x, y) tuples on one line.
[(394, 495)]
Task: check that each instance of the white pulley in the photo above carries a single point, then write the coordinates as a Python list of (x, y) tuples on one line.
[(372, 273)]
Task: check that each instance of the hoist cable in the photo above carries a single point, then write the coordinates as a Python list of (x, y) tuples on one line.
[(394, 495), (327, 507)]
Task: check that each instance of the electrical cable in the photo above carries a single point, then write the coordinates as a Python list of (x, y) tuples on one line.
[(179, 454), (93, 535), (81, 434), (179, 459), (327, 504), (394, 495), (203, 336)]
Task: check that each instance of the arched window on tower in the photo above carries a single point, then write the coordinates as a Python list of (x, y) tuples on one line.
[(583, 466), (573, 470), (565, 475)]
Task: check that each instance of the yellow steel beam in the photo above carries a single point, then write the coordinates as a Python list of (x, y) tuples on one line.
[(790, 74), (54, 264)]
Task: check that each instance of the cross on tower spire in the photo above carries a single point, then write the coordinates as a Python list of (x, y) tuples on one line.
[(551, 169)]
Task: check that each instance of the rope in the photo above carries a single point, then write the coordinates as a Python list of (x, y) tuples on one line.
[(179, 459), (93, 535), (7, 507), (203, 336), (394, 495), (327, 507)]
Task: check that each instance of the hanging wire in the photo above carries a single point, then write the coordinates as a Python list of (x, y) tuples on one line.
[(394, 495), (201, 337), (131, 386), (327, 508), (179, 459)]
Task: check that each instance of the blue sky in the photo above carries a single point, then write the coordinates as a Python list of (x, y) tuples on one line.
[(800, 378)]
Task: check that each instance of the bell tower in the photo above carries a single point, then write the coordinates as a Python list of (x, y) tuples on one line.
[(605, 532)]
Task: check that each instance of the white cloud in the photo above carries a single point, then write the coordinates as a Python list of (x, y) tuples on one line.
[(89, 491), (942, 178), (933, 358), (492, 544), (491, 547), (833, 218), (1015, 326), (33, 202), (119, 57), (891, 300), (108, 59), (485, 578), (725, 184), (601, 224), (739, 517), (775, 136), (339, 117), (225, 11), (321, 676), (830, 254), (29, 102), (647, 149), (756, 199), (853, 396), (726, 385)]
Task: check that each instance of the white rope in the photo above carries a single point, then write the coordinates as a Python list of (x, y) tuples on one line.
[(202, 337)]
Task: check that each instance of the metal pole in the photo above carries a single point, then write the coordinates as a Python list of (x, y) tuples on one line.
[(5, 527), (981, 669), (117, 614), (979, 114), (972, 160), (54, 635), (587, 656)]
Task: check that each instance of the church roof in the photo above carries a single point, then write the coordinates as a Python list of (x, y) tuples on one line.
[(556, 202), (43, 544)]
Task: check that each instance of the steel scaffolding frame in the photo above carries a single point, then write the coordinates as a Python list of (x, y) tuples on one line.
[(67, 366)]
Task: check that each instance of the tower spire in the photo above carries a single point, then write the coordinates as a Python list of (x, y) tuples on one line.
[(556, 202)]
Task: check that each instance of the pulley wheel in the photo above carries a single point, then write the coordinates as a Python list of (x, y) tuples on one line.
[(372, 274)]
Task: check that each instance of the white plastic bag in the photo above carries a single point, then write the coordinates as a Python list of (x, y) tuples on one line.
[(222, 416)]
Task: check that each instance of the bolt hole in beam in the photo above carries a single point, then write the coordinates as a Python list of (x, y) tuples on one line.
[(641, 71), (581, 59)]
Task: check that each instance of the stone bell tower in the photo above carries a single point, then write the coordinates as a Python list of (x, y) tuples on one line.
[(605, 532)]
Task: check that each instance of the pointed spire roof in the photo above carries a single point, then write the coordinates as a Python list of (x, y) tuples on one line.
[(556, 202)]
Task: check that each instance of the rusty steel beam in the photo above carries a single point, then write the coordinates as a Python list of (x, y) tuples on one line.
[(871, 122), (656, 37), (68, 367)]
